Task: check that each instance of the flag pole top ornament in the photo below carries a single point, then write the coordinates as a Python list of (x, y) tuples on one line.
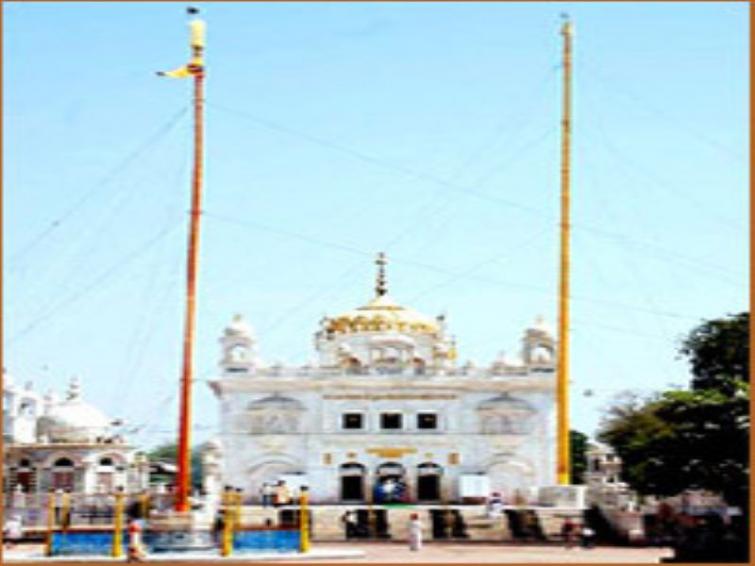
[(381, 286), (195, 66), (568, 27)]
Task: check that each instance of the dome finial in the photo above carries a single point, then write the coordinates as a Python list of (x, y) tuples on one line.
[(74, 388), (381, 288)]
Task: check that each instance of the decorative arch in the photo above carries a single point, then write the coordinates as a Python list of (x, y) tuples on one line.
[(268, 470), (25, 474), (510, 476), (49, 462), (63, 474)]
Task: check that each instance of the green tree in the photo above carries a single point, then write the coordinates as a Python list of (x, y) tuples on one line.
[(695, 438), (578, 443), (168, 453), (718, 351)]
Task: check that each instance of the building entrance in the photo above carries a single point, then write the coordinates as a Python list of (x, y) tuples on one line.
[(428, 482), (390, 484), (352, 488), (352, 482)]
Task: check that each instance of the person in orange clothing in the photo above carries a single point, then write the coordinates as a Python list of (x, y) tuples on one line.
[(135, 548)]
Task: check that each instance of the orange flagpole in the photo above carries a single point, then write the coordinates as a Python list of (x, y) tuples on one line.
[(183, 480)]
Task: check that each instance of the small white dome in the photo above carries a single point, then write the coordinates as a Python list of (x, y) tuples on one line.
[(239, 327), (541, 325), (73, 420)]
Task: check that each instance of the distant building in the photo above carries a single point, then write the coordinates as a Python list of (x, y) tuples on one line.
[(385, 413), (65, 444)]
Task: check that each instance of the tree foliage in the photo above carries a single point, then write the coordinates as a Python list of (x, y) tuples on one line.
[(578, 443), (697, 438), (168, 453), (719, 351)]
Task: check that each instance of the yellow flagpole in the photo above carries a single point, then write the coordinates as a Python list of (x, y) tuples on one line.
[(562, 376)]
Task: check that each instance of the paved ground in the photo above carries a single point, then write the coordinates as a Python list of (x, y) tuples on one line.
[(497, 553), (400, 554)]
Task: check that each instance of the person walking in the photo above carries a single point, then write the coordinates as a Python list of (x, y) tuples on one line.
[(415, 532), (350, 523), (568, 529), (135, 548), (588, 537)]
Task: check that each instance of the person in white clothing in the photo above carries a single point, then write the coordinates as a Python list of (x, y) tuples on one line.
[(415, 532)]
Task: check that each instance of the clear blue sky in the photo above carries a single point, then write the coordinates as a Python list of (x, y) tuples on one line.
[(334, 131)]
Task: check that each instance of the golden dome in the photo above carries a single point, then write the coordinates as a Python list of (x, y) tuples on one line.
[(382, 314)]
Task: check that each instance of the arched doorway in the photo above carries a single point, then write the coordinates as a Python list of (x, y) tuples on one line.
[(25, 475), (390, 483), (105, 475), (428, 482), (352, 476), (63, 474), (267, 472), (510, 478)]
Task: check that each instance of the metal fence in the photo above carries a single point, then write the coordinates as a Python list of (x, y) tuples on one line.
[(71, 510)]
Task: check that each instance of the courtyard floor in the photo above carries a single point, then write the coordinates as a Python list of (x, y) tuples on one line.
[(361, 553), (497, 553)]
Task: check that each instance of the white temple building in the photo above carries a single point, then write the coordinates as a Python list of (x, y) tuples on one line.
[(64, 444), (385, 414)]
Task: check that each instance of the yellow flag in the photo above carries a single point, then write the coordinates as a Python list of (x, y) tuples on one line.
[(196, 42), (180, 73)]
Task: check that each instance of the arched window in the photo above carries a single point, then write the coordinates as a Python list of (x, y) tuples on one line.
[(353, 366), (238, 353), (25, 475), (105, 475), (63, 474), (419, 366)]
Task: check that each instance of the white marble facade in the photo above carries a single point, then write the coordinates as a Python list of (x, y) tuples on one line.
[(386, 404), (64, 444)]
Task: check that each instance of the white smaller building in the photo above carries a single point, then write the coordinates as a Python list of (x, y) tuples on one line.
[(64, 444)]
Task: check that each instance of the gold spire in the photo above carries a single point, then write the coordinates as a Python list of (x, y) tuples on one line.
[(381, 288), (382, 313)]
